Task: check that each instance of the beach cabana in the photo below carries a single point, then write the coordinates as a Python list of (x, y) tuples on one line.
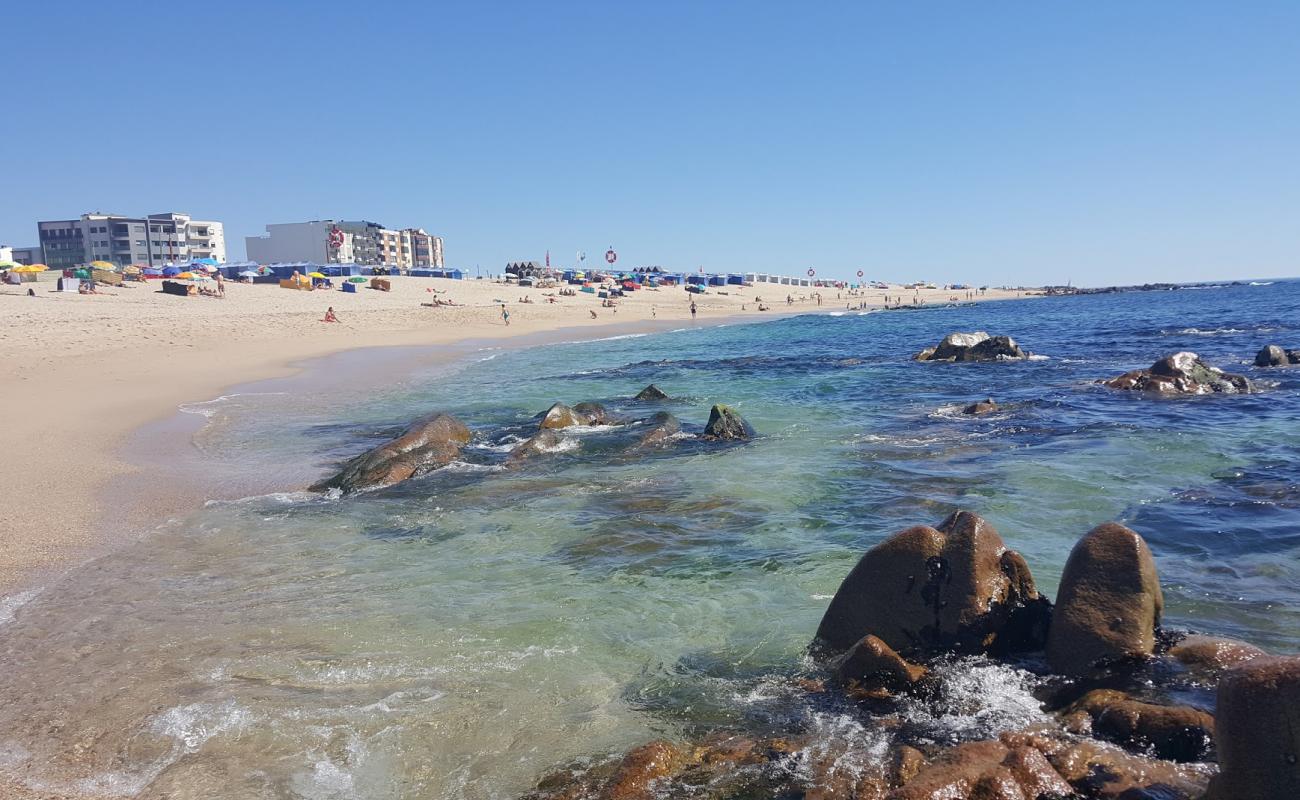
[(717, 280)]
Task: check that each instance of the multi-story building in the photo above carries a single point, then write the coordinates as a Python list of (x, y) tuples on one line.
[(346, 242), (150, 241)]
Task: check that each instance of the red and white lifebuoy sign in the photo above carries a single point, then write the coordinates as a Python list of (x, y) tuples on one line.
[(611, 256), (811, 272), (859, 273), (336, 237)]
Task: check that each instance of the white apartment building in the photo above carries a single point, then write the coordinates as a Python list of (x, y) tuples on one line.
[(149, 241), (345, 242)]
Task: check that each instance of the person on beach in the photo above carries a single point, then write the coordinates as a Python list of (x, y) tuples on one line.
[(652, 312), (692, 309), (505, 315), (593, 312), (221, 285), (329, 315)]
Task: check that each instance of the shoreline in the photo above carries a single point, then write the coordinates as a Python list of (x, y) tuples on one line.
[(102, 465)]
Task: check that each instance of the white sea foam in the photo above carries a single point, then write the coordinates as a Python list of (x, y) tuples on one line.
[(1261, 283), (209, 408), (10, 604), (464, 467), (978, 699)]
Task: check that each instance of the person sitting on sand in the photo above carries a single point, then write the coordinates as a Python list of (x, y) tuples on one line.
[(329, 315), (593, 312)]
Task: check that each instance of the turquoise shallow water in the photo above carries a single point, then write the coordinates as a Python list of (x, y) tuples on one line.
[(461, 635)]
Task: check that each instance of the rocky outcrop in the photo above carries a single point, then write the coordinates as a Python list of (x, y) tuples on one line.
[(1178, 733), (1209, 652), (431, 443), (988, 769), (725, 423), (1105, 772), (1109, 602), (978, 346), (1259, 731), (1181, 373), (982, 407), (1274, 356), (660, 430), (651, 394), (955, 587), (871, 665), (561, 416)]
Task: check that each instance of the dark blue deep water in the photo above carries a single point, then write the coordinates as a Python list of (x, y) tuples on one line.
[(464, 633)]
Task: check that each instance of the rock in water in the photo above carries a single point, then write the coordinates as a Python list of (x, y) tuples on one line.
[(546, 441), (1259, 731), (956, 587), (977, 346), (1181, 373), (651, 393), (725, 423), (982, 407), (872, 664), (561, 416), (1109, 603), (1271, 356), (1178, 733), (661, 428), (1212, 653), (428, 444)]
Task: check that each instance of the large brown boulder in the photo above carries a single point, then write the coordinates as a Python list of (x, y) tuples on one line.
[(545, 441), (953, 587), (1259, 730), (977, 346), (1109, 603), (1181, 373), (1178, 733), (660, 430), (428, 444), (1105, 772)]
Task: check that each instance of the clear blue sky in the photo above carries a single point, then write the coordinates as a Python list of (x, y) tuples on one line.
[(1005, 142)]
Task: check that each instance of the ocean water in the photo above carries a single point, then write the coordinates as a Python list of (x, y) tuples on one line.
[(464, 634)]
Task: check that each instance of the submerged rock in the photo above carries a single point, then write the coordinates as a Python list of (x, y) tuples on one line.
[(982, 407), (1181, 373), (428, 444), (956, 587), (651, 393), (1271, 356), (661, 428), (1178, 733), (1259, 731), (1106, 772), (988, 769), (590, 413), (545, 441), (1213, 653), (1109, 603), (725, 423), (977, 346)]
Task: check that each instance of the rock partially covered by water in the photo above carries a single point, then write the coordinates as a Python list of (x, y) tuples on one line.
[(977, 346), (872, 665), (1274, 356), (1213, 653), (1178, 733), (1259, 731), (1109, 603), (561, 416), (726, 423), (982, 407), (545, 441), (1102, 771), (428, 444), (651, 393), (956, 587), (660, 429), (1181, 373), (988, 769)]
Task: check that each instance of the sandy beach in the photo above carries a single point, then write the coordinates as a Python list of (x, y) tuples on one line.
[(83, 371)]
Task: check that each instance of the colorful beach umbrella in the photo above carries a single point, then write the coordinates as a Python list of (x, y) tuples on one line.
[(32, 268), (314, 275), (211, 262), (357, 279), (248, 273), (171, 272), (103, 265)]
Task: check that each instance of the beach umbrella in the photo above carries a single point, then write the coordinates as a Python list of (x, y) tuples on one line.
[(186, 276), (356, 279), (8, 264), (314, 275), (248, 273), (82, 274), (211, 262), (32, 268), (171, 272), (209, 268), (103, 265)]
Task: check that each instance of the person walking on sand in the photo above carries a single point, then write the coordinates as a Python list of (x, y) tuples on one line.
[(692, 309), (221, 285), (652, 312), (329, 315), (505, 315)]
